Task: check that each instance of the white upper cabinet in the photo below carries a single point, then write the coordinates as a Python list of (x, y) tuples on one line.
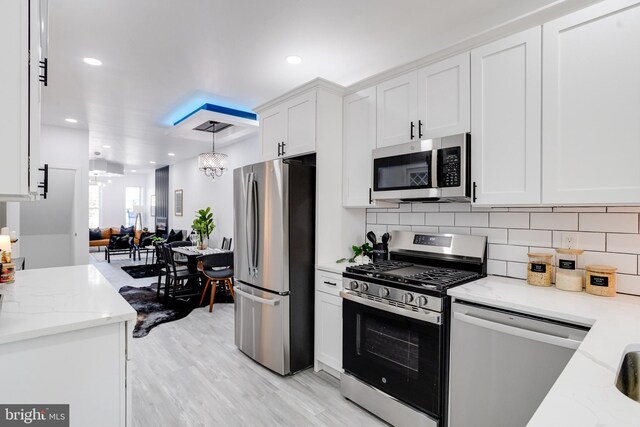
[(591, 106), (289, 129), (444, 98), (20, 24), (359, 138), (505, 120), (397, 110)]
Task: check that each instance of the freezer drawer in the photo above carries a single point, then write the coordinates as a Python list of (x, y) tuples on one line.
[(503, 365), (262, 327)]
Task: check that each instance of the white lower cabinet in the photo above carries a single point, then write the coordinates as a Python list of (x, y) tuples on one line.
[(328, 323)]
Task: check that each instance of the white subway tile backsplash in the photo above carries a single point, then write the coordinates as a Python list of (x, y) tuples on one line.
[(554, 221), (625, 243), (530, 237), (628, 284), (586, 241), (378, 229), (625, 263), (454, 230), (402, 207), (375, 210), (424, 229), (472, 219), (509, 220), (371, 217), (439, 218), (496, 268), (508, 253), (425, 207), (530, 210), (609, 222), (455, 207), (580, 209), (487, 209), (412, 218), (494, 235), (623, 209), (396, 227), (517, 270), (388, 218)]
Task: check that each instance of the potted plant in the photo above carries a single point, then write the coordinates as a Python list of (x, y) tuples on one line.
[(203, 225)]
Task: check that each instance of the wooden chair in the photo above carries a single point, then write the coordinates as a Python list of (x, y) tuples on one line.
[(226, 243), (176, 274), (217, 269)]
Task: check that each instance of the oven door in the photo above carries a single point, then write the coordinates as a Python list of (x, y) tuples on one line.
[(396, 354)]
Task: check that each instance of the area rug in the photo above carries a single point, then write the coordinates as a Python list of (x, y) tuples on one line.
[(140, 271), (151, 312)]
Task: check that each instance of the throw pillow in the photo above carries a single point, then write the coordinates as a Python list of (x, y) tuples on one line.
[(95, 234), (127, 230), (174, 237), (123, 242)]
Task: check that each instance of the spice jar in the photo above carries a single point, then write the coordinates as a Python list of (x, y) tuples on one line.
[(567, 277), (601, 280), (539, 269)]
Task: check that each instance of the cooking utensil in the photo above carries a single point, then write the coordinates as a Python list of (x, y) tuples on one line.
[(385, 238), (372, 237)]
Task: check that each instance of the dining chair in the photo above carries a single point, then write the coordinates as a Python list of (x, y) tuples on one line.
[(226, 243), (176, 274), (217, 269)]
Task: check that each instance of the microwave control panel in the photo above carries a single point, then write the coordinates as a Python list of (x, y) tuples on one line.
[(449, 163)]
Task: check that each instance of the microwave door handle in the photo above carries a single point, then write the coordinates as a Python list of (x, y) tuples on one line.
[(434, 168)]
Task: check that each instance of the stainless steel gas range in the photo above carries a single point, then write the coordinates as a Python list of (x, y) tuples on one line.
[(396, 325)]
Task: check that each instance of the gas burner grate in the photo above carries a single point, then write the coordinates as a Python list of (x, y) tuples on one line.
[(378, 267), (441, 277)]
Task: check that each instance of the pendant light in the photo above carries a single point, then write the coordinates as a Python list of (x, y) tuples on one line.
[(213, 164)]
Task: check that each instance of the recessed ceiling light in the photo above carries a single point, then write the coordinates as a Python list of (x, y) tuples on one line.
[(293, 59), (70, 120), (92, 61), (133, 170), (106, 146), (171, 154), (152, 162)]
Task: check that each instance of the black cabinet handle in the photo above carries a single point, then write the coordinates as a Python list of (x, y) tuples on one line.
[(370, 199), (44, 66), (279, 149), (419, 129), (44, 185), (329, 283), (283, 145), (475, 186), (412, 127)]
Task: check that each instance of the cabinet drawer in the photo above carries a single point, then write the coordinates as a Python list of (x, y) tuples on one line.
[(330, 283)]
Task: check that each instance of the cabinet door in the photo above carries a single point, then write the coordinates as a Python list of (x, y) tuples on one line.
[(397, 110), (505, 121), (14, 98), (38, 28), (301, 125), (591, 106), (272, 131), (359, 138), (444, 98), (328, 333)]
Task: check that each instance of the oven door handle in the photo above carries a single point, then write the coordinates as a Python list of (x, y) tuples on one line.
[(425, 316)]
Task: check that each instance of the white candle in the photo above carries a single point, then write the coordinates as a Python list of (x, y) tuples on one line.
[(5, 230)]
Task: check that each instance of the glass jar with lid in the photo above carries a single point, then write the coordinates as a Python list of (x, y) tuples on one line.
[(568, 278), (539, 269), (601, 280)]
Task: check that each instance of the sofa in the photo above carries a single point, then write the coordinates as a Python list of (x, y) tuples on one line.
[(105, 236)]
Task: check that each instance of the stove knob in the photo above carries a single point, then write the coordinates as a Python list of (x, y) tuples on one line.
[(354, 285), (364, 287), (422, 301), (408, 297), (384, 292)]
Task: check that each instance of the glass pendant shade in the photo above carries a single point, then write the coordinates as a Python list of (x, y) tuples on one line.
[(213, 164)]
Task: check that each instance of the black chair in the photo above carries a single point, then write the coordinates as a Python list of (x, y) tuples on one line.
[(176, 275), (119, 244), (218, 269), (226, 243), (145, 244)]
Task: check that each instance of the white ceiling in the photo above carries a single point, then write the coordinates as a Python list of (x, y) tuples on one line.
[(163, 58)]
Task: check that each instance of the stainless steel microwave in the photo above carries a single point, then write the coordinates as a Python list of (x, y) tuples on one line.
[(431, 170)]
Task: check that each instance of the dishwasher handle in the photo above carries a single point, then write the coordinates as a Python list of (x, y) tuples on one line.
[(518, 332)]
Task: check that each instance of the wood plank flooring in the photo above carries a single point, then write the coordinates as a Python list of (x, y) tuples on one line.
[(190, 373)]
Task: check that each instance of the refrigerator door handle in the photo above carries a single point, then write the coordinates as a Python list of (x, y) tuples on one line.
[(248, 199), (254, 250), (271, 302)]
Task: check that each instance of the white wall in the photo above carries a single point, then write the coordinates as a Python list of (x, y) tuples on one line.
[(61, 148), (200, 192), (113, 213)]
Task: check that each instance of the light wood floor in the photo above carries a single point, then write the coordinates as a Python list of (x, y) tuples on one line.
[(190, 373)]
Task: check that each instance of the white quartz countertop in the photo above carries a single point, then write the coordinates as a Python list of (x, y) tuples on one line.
[(55, 300), (334, 267), (585, 393)]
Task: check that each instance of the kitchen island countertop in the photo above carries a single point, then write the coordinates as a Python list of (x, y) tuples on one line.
[(585, 393)]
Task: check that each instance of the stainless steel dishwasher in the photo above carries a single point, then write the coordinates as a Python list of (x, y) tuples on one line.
[(503, 364)]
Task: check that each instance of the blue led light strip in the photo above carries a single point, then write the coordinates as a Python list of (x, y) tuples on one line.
[(221, 110)]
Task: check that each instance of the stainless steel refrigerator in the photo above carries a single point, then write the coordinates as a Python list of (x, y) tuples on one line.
[(274, 206)]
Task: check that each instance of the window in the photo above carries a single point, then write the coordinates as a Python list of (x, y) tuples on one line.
[(133, 203), (94, 205)]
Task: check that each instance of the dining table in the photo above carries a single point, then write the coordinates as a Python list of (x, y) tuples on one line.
[(192, 253)]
